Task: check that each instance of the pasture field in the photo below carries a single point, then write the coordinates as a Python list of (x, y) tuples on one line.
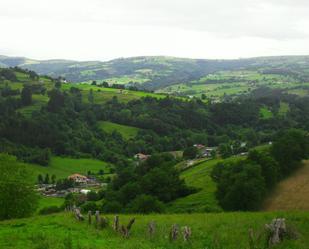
[(102, 94), (211, 231), (265, 113), (204, 200), (49, 201), (62, 167), (235, 83), (291, 193), (126, 131)]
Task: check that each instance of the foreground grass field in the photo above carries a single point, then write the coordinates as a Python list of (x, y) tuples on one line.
[(49, 201), (291, 193), (126, 131), (211, 231), (62, 167)]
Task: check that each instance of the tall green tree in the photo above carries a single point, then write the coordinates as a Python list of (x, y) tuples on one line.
[(26, 96), (90, 96), (290, 148), (17, 196)]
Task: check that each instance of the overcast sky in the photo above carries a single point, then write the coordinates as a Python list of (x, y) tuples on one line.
[(107, 29)]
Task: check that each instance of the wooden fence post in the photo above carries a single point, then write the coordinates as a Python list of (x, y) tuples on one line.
[(78, 214), (187, 233), (89, 217), (174, 232), (116, 223), (151, 228), (277, 229), (97, 219), (126, 230)]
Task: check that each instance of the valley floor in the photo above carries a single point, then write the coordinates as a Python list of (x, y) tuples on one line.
[(212, 231), (291, 193)]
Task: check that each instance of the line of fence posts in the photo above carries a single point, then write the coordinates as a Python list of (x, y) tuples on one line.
[(277, 229)]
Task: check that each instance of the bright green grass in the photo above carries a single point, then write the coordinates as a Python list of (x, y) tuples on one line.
[(62, 167), (126, 131), (49, 201), (209, 231), (265, 113), (204, 199)]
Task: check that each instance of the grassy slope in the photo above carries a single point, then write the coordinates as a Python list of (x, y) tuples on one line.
[(212, 231), (204, 199), (63, 167), (49, 201), (291, 193), (127, 132)]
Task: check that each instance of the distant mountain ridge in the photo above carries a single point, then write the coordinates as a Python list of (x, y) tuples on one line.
[(152, 72)]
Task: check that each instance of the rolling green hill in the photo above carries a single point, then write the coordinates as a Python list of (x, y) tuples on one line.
[(179, 75), (214, 231), (40, 99)]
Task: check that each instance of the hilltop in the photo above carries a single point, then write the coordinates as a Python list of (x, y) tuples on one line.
[(179, 75)]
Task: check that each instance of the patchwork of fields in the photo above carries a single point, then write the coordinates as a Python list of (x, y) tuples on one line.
[(234, 83)]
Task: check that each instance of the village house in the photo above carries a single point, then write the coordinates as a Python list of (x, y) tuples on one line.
[(199, 146), (141, 156), (204, 151), (78, 178)]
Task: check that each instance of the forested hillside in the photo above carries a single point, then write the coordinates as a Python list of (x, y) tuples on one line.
[(42, 117)]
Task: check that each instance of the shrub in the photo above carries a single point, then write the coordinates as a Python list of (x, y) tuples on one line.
[(17, 196), (190, 152), (111, 207), (50, 210), (240, 185), (145, 204), (89, 206)]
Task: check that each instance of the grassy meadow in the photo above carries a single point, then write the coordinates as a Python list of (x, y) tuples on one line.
[(45, 201), (126, 131), (204, 200), (62, 167), (211, 231)]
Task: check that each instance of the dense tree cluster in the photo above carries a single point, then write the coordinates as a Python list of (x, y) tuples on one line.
[(146, 186), (17, 195), (243, 184)]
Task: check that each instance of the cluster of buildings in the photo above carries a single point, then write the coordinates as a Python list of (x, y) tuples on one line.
[(204, 151), (81, 185)]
